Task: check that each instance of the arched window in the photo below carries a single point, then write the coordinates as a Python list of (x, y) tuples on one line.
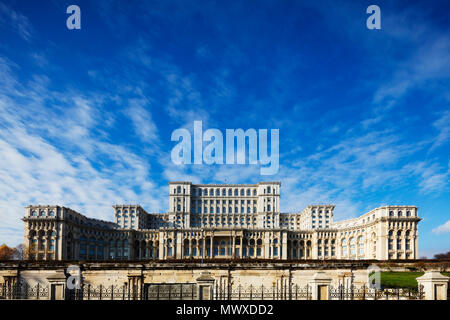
[(83, 246), (112, 249), (254, 192), (91, 247), (236, 192), (352, 246), (361, 245), (34, 213), (248, 192), (344, 247), (391, 213)]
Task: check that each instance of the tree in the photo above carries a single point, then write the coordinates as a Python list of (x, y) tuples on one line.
[(442, 256), (20, 252), (7, 253)]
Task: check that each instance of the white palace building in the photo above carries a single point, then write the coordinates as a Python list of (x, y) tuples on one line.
[(221, 221)]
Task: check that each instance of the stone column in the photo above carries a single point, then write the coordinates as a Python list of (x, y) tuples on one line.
[(233, 249), (241, 247), (179, 240), (211, 253), (46, 238), (266, 245), (283, 249), (415, 246), (204, 246), (435, 285)]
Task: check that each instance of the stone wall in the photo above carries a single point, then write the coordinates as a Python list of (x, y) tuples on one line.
[(245, 274)]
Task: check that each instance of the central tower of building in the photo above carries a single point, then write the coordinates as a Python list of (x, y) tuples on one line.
[(224, 205)]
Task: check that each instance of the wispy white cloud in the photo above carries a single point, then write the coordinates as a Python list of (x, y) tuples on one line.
[(444, 228), (442, 125), (14, 19), (60, 154), (141, 118)]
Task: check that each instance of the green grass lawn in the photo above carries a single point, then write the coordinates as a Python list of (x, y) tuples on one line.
[(400, 279)]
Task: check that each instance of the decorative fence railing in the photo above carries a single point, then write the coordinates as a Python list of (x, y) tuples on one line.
[(366, 293), (190, 291), (151, 291), (89, 292), (293, 292), (171, 291), (24, 291)]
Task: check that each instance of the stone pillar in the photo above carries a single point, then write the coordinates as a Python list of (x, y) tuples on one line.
[(190, 247), (435, 285), (415, 244), (204, 246), (233, 248), (320, 286), (283, 251), (267, 243), (135, 281), (211, 248), (314, 247), (205, 284), (47, 240), (179, 242), (241, 247)]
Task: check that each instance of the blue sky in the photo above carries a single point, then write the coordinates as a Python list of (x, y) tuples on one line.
[(87, 115)]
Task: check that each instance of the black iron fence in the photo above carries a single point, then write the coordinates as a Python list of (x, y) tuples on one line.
[(189, 291), (171, 291), (150, 291), (19, 291), (293, 292), (367, 293), (89, 292)]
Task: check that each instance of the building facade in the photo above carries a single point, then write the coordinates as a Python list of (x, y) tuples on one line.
[(221, 221)]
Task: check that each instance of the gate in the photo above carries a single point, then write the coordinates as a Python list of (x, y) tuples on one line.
[(170, 291), (292, 292)]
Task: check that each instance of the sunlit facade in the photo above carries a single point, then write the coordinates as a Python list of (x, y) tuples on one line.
[(221, 221)]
